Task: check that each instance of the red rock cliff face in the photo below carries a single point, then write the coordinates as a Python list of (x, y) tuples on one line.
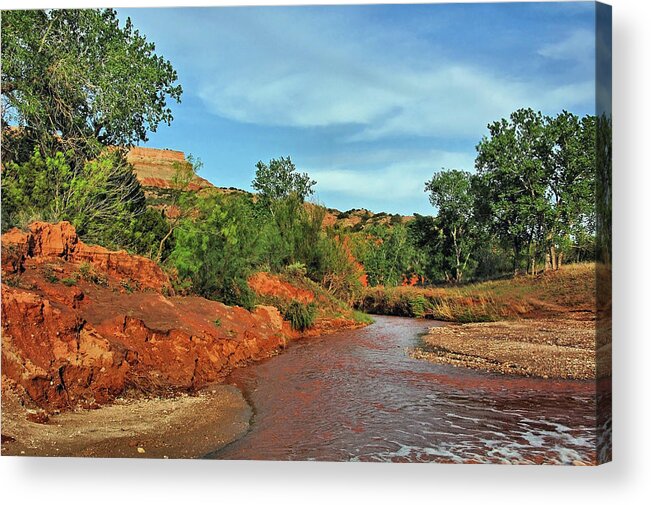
[(156, 167), (70, 340), (46, 241)]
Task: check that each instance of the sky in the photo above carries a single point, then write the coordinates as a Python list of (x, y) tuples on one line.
[(370, 100)]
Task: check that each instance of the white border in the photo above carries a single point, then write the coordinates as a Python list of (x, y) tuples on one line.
[(626, 480)]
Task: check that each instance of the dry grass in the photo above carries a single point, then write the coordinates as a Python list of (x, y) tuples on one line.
[(570, 291)]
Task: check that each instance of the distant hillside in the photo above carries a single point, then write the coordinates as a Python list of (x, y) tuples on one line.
[(155, 169), (361, 219)]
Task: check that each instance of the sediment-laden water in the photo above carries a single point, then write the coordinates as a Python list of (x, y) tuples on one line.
[(357, 396)]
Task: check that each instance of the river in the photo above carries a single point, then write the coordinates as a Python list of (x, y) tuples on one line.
[(357, 396)]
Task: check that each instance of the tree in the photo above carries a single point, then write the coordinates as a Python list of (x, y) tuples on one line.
[(102, 199), (452, 194), (73, 80), (514, 165), (182, 202), (387, 254), (537, 183), (571, 183), (216, 248), (279, 180)]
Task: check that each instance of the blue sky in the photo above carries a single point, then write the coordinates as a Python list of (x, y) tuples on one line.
[(369, 100)]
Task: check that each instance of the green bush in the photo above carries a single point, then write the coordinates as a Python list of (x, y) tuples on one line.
[(300, 315), (419, 306), (102, 198)]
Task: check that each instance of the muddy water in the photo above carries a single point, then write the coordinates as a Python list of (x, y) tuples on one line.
[(357, 396)]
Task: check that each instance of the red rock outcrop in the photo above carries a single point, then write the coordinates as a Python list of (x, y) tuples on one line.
[(85, 341), (72, 339), (157, 167), (47, 241), (63, 357), (266, 284)]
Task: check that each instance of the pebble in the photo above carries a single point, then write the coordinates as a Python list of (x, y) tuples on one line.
[(141, 450)]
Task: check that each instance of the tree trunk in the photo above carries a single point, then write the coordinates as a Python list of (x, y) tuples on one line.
[(159, 257), (552, 253)]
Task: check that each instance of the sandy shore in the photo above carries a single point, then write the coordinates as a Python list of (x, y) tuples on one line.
[(558, 348), (180, 427)]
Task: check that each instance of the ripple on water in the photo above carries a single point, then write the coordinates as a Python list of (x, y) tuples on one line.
[(358, 396)]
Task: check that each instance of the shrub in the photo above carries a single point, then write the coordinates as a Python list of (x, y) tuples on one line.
[(49, 275), (419, 306), (296, 269), (301, 316)]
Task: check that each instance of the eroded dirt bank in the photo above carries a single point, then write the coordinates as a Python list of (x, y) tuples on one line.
[(83, 326)]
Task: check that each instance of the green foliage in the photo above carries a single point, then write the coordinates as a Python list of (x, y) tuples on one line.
[(419, 306), (361, 317), (300, 315), (49, 275), (537, 182), (69, 281), (102, 199), (89, 274), (388, 254), (451, 192), (216, 247), (279, 180), (297, 269), (76, 79)]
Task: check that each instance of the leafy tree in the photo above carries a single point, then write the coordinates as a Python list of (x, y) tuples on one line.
[(514, 165), (537, 183), (452, 194), (216, 248), (279, 180), (424, 234), (75, 80), (102, 199), (387, 254), (571, 183), (181, 202)]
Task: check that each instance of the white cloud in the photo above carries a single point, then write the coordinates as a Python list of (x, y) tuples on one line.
[(299, 68), (389, 176), (385, 94), (580, 45)]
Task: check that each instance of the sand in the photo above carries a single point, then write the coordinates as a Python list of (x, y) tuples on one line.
[(181, 427), (547, 348)]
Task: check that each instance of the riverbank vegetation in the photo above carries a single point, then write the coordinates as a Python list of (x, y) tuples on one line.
[(529, 205), (555, 293)]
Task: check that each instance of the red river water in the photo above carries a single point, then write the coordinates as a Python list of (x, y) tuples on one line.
[(357, 396)]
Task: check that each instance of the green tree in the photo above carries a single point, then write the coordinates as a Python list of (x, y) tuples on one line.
[(76, 79), (537, 184), (387, 254), (102, 199), (279, 180), (514, 164), (216, 248), (571, 184), (182, 202), (452, 194)]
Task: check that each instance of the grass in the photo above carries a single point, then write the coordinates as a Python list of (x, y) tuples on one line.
[(300, 315), (573, 287), (361, 317)]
